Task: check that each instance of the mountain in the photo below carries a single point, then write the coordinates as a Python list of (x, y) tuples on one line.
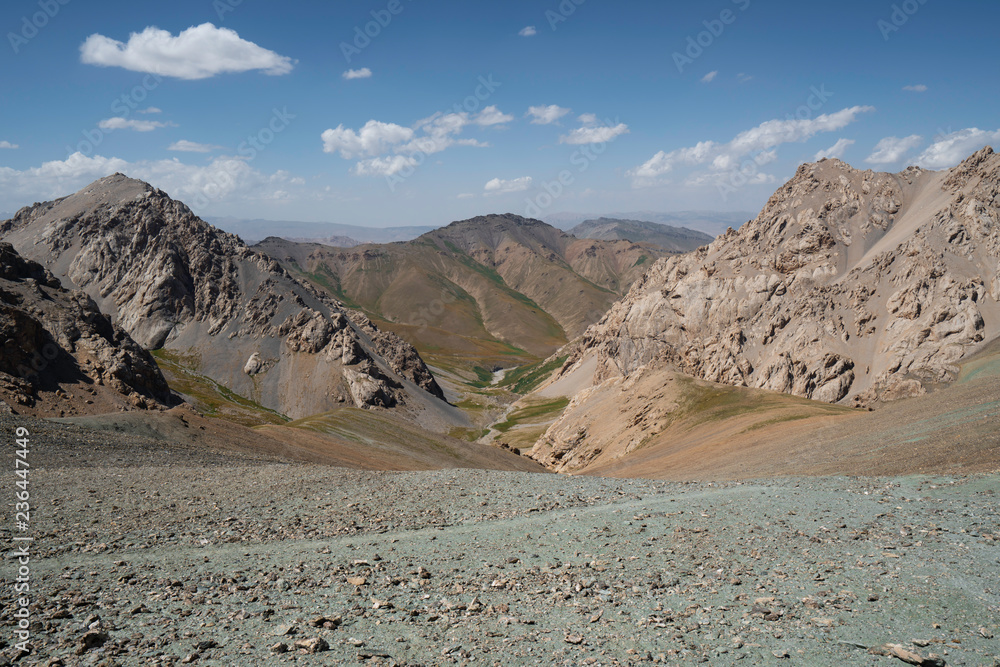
[(335, 241), (214, 307), (61, 355), (712, 223), (850, 287), (495, 290), (256, 230), (667, 237)]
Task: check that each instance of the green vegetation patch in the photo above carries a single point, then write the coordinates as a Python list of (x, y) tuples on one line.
[(524, 379), (543, 411)]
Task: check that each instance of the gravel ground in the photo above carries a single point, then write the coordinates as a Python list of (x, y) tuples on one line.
[(145, 555)]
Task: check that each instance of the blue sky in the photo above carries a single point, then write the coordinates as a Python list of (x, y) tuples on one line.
[(450, 109)]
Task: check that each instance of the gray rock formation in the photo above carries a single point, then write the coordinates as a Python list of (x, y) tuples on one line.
[(850, 286), (55, 343), (173, 281)]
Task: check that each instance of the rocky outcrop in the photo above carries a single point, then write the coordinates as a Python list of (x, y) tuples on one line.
[(850, 286), (59, 351), (171, 280)]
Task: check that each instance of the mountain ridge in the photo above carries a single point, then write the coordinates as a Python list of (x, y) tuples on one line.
[(174, 281)]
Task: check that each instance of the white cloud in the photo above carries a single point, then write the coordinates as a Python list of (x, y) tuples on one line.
[(224, 179), (150, 110), (384, 166), (118, 123), (836, 150), (7, 144), (378, 141), (919, 88), (708, 78), (192, 147), (592, 132), (465, 195), (363, 73), (892, 149), (492, 116), (199, 52), (949, 150), (544, 115), (372, 139), (500, 187), (758, 140), (528, 31)]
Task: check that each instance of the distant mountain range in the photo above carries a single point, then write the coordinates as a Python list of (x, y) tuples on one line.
[(498, 289), (712, 223), (328, 233), (667, 237)]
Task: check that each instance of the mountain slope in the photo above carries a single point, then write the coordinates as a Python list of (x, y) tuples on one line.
[(499, 289), (234, 315), (61, 355), (850, 287), (667, 237)]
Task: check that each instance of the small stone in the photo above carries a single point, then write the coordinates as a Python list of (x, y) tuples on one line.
[(312, 645), (985, 633), (283, 630), (188, 659), (91, 639), (357, 581), (780, 654), (576, 640), (280, 647)]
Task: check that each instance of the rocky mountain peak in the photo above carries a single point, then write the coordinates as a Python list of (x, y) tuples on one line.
[(171, 280)]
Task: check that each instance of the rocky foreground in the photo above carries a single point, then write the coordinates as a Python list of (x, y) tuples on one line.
[(153, 555)]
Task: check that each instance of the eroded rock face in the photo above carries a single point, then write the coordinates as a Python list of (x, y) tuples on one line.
[(850, 286), (171, 280), (54, 341)]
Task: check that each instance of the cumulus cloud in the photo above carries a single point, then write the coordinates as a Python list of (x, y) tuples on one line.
[(192, 147), (374, 138), (594, 135), (119, 123), (592, 132), (758, 141), (224, 179), (363, 73), (498, 186), (919, 88), (384, 166), (544, 115), (708, 78), (836, 150), (7, 144), (528, 31), (950, 149), (199, 52), (892, 149), (492, 116), (391, 148)]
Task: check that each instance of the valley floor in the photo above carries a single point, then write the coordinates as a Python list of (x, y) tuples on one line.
[(145, 554)]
